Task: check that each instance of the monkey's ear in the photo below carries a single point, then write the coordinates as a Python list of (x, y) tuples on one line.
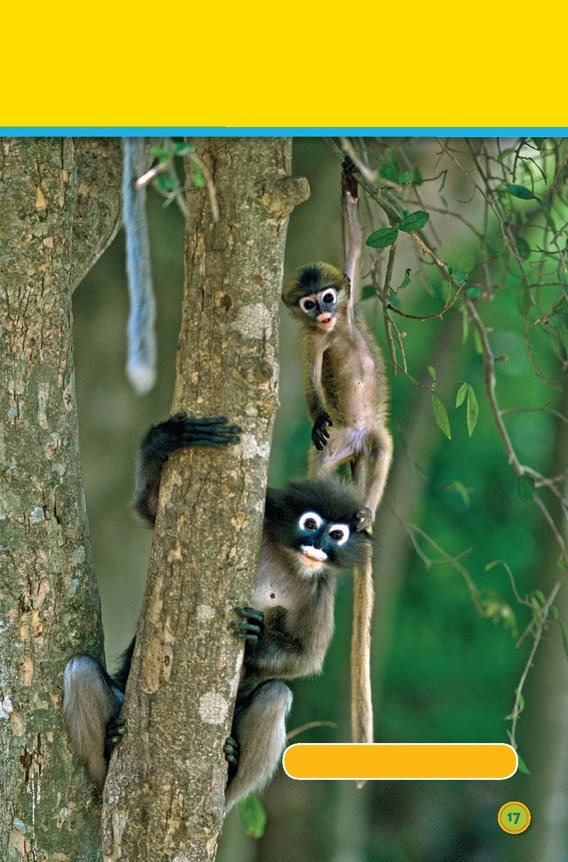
[(288, 290), (274, 505)]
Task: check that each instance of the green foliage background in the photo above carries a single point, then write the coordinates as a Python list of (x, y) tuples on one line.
[(444, 671)]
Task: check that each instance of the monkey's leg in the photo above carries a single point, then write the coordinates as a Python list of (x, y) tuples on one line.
[(91, 706), (379, 458), (259, 729), (338, 450), (177, 432)]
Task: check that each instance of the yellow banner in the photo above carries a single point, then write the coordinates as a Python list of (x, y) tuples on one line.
[(400, 761), (298, 65)]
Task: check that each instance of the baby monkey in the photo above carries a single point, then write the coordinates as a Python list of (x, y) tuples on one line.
[(346, 387), (347, 396)]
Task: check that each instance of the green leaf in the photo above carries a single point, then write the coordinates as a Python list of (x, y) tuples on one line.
[(441, 416), (538, 142), (406, 280), (414, 221), (465, 324), (252, 815), (462, 392), (523, 766), (394, 300), (160, 153), (523, 247), (382, 238), (198, 179), (459, 277), (165, 184), (477, 342), (389, 171), (472, 410), (432, 372), (367, 292), (460, 489), (406, 178), (473, 293), (418, 178), (520, 192)]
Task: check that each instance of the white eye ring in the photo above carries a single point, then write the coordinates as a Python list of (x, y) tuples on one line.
[(339, 528), (325, 292), (304, 299), (310, 516)]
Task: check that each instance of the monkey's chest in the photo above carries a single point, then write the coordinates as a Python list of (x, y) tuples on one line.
[(268, 595), (349, 384)]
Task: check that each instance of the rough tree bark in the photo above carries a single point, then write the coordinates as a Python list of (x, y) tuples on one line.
[(59, 208), (165, 790)]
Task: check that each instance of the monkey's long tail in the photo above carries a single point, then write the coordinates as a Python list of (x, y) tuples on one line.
[(141, 364), (361, 701)]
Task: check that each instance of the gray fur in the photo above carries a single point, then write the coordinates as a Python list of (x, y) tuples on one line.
[(141, 364), (90, 700), (261, 731), (295, 591)]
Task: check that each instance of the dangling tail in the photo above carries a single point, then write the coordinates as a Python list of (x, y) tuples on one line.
[(141, 364), (361, 700)]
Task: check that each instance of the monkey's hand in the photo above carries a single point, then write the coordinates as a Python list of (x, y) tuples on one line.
[(183, 430), (250, 626), (320, 434), (363, 519)]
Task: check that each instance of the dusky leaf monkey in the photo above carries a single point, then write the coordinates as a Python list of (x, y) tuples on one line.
[(311, 533), (347, 396)]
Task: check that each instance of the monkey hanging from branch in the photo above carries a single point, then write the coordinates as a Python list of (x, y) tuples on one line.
[(347, 396)]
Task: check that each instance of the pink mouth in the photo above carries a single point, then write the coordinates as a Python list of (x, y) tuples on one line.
[(326, 321)]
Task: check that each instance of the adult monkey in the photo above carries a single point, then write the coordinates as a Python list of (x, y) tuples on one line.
[(311, 533), (347, 396)]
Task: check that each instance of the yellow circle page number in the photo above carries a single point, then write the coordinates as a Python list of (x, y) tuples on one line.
[(514, 817)]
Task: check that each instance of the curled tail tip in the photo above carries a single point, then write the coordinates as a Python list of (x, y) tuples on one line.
[(142, 376)]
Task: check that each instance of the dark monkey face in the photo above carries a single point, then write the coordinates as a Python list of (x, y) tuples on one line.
[(315, 292), (317, 521), (318, 541), (320, 307)]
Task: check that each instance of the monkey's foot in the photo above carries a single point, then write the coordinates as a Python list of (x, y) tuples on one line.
[(232, 750), (115, 730), (363, 519), (320, 434), (250, 626)]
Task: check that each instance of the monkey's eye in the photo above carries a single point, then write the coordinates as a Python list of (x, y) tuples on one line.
[(310, 521), (307, 304), (339, 533), (330, 297)]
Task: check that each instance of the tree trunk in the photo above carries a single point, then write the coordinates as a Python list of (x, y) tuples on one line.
[(54, 222), (164, 795)]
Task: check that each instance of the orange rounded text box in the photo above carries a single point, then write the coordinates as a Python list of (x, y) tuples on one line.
[(400, 761)]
